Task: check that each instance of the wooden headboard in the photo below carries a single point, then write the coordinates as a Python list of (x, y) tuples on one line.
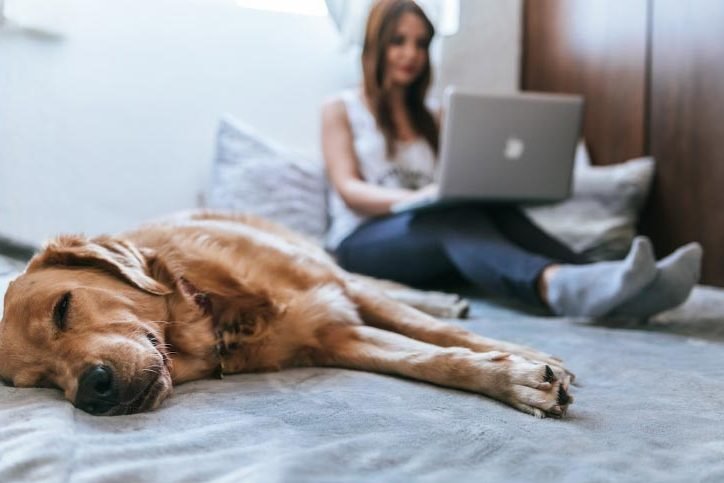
[(652, 72)]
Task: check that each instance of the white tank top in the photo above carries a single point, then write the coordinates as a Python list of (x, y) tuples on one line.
[(412, 167)]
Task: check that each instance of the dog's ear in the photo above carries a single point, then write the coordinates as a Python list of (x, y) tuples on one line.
[(207, 280), (117, 256)]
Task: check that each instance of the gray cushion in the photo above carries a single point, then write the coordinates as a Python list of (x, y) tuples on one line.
[(600, 218), (251, 174)]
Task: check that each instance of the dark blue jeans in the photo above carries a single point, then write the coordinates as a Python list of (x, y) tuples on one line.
[(495, 247)]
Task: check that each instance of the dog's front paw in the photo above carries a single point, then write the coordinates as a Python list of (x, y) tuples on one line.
[(537, 388)]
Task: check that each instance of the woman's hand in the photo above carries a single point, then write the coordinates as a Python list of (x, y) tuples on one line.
[(412, 198), (428, 192)]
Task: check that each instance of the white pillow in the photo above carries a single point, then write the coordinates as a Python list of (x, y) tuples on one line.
[(252, 175), (600, 218)]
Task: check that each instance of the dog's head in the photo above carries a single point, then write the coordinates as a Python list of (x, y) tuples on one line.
[(86, 317)]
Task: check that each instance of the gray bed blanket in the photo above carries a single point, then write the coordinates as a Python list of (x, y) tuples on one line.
[(649, 407)]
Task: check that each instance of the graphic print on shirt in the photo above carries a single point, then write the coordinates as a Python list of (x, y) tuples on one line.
[(399, 176)]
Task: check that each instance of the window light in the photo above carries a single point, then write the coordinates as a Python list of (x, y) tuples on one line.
[(315, 8)]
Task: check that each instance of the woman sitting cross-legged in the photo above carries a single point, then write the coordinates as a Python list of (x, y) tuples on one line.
[(380, 143)]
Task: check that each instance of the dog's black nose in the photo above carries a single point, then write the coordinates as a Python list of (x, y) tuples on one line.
[(96, 391)]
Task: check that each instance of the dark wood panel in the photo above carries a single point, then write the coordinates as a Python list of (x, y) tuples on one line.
[(597, 48), (687, 129)]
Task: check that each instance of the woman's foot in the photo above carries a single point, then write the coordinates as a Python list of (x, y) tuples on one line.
[(675, 278), (596, 289)]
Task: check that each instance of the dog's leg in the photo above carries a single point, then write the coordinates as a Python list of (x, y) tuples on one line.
[(380, 311), (533, 387), (437, 304)]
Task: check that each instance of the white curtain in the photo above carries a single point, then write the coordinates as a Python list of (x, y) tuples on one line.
[(349, 18)]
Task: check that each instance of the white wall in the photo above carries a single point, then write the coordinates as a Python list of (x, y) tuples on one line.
[(115, 123)]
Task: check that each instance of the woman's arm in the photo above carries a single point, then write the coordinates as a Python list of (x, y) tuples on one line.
[(342, 166)]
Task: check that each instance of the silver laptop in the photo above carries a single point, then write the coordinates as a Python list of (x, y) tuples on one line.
[(505, 148)]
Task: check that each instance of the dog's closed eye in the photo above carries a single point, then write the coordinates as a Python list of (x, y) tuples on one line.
[(60, 312)]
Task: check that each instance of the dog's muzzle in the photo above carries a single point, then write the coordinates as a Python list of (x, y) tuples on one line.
[(97, 393)]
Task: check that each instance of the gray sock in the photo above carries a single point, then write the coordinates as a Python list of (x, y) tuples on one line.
[(675, 278), (594, 290)]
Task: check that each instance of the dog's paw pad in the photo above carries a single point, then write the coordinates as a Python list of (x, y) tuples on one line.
[(563, 397)]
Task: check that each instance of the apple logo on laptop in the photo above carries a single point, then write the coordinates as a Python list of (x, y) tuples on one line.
[(514, 148)]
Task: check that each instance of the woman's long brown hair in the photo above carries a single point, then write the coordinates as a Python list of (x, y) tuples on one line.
[(381, 25)]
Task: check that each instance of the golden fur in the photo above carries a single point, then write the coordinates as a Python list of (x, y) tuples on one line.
[(177, 300)]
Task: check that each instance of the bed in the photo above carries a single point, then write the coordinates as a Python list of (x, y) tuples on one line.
[(648, 408), (648, 402)]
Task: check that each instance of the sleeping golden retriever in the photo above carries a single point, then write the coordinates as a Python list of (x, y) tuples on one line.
[(115, 322)]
